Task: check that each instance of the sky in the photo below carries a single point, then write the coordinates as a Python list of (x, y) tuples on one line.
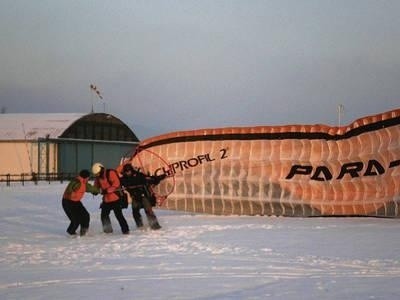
[(193, 256), (165, 66)]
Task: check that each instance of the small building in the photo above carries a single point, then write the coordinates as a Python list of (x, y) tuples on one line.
[(61, 144)]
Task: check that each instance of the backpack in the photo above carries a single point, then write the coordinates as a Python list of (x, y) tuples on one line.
[(123, 198)]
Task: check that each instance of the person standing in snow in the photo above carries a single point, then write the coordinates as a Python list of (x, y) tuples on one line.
[(138, 186), (72, 205), (109, 184)]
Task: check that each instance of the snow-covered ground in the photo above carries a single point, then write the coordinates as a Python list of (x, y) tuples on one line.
[(193, 256)]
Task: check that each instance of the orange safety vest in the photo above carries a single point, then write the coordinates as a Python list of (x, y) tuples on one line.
[(109, 185), (78, 194)]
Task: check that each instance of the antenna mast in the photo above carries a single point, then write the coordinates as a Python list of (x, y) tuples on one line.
[(340, 111)]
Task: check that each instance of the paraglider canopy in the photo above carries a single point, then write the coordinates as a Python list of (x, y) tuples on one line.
[(293, 170)]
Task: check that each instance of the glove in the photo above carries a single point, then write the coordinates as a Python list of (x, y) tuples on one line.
[(162, 177), (93, 190), (157, 179)]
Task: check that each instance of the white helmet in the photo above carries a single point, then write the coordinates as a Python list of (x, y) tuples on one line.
[(96, 168)]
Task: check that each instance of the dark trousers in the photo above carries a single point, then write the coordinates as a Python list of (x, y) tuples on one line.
[(139, 201), (115, 206), (77, 214)]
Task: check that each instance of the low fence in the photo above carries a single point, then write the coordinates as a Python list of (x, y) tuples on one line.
[(35, 177)]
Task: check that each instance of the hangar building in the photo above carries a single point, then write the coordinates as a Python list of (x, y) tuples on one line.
[(61, 144)]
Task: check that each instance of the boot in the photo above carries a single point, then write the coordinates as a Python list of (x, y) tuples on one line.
[(107, 228), (83, 231), (153, 222), (138, 219), (139, 222)]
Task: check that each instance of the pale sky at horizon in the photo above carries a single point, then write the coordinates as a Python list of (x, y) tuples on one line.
[(163, 66)]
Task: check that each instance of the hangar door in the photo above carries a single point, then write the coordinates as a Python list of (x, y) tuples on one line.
[(75, 156)]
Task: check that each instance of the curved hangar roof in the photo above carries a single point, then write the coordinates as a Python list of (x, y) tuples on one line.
[(95, 126)]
